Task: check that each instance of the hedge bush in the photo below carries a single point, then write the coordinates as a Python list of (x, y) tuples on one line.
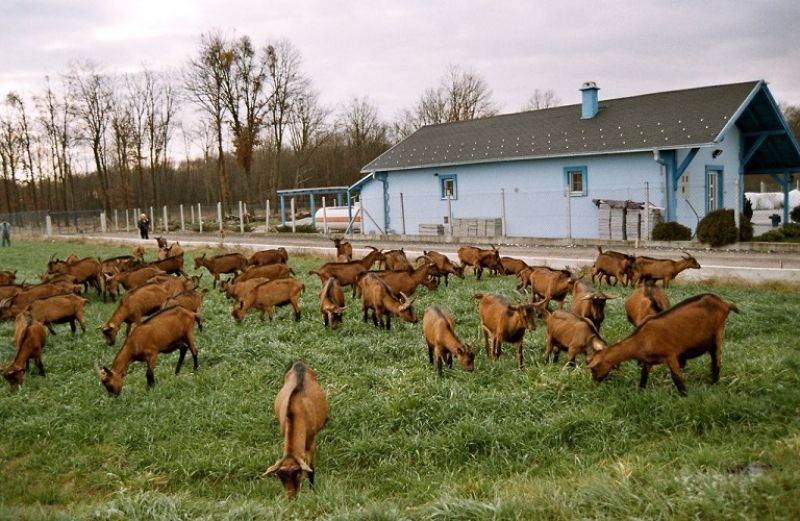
[(745, 228), (718, 228), (748, 208), (794, 215), (671, 231)]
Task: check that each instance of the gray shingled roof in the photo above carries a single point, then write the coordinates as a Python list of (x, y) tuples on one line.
[(664, 120)]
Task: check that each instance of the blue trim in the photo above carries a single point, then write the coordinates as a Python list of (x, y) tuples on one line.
[(283, 212), (784, 182), (755, 146), (313, 211), (756, 89), (671, 163), (448, 177), (784, 124), (383, 177), (682, 168), (584, 180), (720, 184)]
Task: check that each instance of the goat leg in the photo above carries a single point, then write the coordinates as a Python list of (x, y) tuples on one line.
[(645, 373), (430, 354), (675, 369)]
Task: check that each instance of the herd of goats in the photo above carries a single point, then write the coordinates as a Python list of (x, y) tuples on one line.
[(164, 303)]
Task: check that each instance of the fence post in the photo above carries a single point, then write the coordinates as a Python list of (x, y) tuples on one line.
[(116, 221), (103, 222), (48, 224), (166, 221), (153, 218), (646, 211), (241, 217), (294, 219), (402, 214), (324, 216), (245, 212), (127, 222), (266, 219), (219, 214), (569, 212), (200, 217), (183, 224), (503, 209), (450, 213), (191, 206)]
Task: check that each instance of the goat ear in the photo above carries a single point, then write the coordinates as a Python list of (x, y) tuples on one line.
[(594, 362), (609, 297), (273, 469), (303, 464)]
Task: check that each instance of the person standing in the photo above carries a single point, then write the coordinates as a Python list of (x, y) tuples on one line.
[(144, 226), (5, 231)]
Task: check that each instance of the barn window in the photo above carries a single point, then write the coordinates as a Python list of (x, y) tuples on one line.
[(449, 186), (576, 180), (713, 188)]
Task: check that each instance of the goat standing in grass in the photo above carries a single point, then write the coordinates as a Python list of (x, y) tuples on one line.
[(687, 330), (302, 411), (439, 330)]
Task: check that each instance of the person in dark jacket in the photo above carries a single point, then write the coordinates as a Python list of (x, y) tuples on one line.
[(144, 226)]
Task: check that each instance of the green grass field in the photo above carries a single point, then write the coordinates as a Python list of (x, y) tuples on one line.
[(402, 443)]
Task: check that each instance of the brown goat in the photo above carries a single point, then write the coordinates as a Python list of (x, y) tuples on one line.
[(687, 330), (162, 243), (266, 296), (645, 301), (551, 285), (164, 332), (302, 411), (237, 290), (60, 309), (648, 268), (172, 250), (379, 297), (270, 271), (612, 265), (589, 303), (220, 264), (407, 282), (132, 307), (571, 333), (444, 265), (132, 279), (86, 271), (267, 257), (439, 330), (29, 337), (188, 299), (172, 265), (505, 322), (344, 250), (11, 307), (7, 277), (347, 273), (331, 303), (512, 266), (9, 291), (396, 260), (479, 259)]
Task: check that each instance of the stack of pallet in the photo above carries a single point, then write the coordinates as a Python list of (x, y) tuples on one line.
[(492, 227)]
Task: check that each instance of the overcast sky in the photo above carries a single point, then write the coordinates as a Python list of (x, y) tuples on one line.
[(390, 51)]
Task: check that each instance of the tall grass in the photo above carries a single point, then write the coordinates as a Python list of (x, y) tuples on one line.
[(402, 443)]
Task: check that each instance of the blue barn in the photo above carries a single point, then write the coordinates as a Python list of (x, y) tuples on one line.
[(554, 172)]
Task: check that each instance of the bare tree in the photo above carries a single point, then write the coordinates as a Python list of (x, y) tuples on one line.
[(15, 100), (285, 84), (10, 152), (542, 99), (204, 82), (364, 133), (306, 132), (461, 95), (160, 109), (245, 98), (123, 132), (93, 95)]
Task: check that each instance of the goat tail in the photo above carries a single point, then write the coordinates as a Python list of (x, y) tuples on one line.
[(199, 319), (734, 308), (478, 296), (600, 249)]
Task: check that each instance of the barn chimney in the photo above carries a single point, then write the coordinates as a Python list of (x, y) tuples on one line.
[(589, 105)]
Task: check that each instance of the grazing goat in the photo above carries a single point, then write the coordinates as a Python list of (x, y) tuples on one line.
[(479, 259), (170, 251), (132, 279), (505, 322), (302, 411), (270, 271), (612, 264), (164, 332), (12, 306), (396, 260), (132, 307), (29, 337), (188, 299), (648, 268), (266, 257), (407, 282), (331, 303), (266, 296), (646, 300), (444, 265), (439, 330), (512, 266), (571, 333), (551, 285), (379, 297), (347, 273), (10, 291), (172, 265), (60, 309), (219, 264), (344, 250), (687, 330), (138, 251), (589, 302), (7, 277), (86, 271), (237, 290), (162, 243)]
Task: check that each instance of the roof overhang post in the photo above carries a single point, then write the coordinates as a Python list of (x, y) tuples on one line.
[(384, 179), (784, 182)]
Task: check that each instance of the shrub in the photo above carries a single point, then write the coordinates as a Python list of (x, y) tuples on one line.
[(300, 228), (718, 228), (671, 231), (794, 215), (771, 236), (745, 228), (791, 230), (748, 208)]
